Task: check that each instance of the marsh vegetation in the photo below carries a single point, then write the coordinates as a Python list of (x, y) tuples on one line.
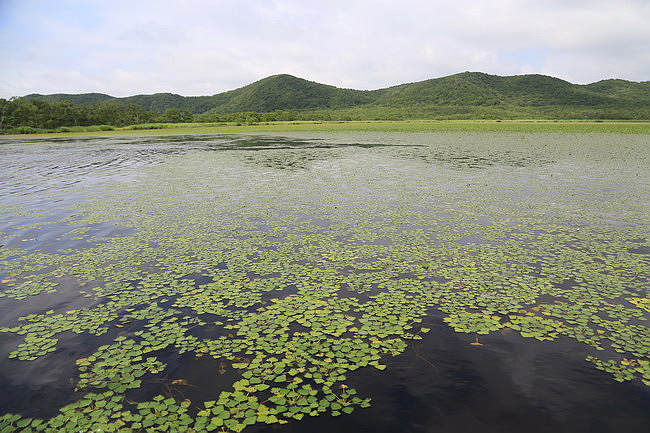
[(333, 282)]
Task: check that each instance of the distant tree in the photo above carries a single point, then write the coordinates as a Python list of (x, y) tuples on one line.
[(174, 115), (4, 111)]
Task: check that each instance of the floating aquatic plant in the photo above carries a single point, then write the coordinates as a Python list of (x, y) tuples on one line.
[(297, 275)]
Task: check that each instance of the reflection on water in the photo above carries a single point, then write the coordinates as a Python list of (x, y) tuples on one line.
[(33, 166), (28, 166), (442, 384), (373, 215)]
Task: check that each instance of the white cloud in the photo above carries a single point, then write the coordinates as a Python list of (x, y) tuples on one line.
[(205, 47)]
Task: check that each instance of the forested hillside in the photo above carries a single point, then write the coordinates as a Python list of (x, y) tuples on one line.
[(468, 95)]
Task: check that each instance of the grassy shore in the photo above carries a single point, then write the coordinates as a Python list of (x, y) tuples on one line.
[(617, 127)]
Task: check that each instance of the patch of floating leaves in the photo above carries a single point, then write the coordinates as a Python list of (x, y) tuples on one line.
[(479, 323), (297, 278)]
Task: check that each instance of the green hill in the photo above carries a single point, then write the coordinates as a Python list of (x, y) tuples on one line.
[(160, 102), (468, 94), (623, 90), (285, 92), (475, 88), (277, 92), (83, 98)]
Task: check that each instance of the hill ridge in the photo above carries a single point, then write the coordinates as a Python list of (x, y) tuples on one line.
[(464, 89)]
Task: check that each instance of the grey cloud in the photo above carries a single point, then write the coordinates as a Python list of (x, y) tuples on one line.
[(205, 47)]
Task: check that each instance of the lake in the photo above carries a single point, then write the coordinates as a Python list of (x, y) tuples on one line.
[(306, 282)]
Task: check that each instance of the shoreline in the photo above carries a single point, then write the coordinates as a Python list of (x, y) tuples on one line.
[(569, 126)]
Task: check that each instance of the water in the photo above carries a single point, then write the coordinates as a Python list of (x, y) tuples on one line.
[(315, 246)]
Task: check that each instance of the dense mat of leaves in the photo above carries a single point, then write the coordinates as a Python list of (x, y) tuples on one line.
[(305, 260)]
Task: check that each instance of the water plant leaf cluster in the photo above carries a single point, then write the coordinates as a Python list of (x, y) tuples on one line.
[(288, 268)]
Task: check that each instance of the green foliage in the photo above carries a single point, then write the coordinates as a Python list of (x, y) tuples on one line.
[(250, 259), (285, 92), (77, 99), (479, 323), (468, 95), (174, 115), (24, 116)]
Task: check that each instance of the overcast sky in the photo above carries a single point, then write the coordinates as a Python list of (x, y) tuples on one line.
[(203, 47)]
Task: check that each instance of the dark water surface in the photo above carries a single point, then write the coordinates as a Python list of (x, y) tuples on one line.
[(501, 279)]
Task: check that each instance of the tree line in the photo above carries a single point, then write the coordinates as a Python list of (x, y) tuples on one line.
[(22, 115), (19, 115)]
